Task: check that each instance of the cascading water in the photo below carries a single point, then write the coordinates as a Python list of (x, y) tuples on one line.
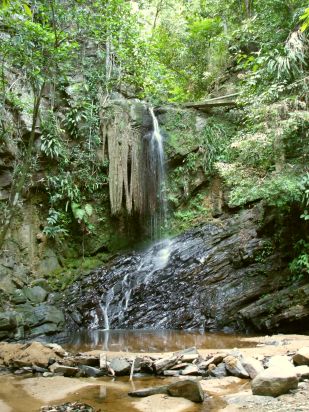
[(156, 210), (155, 184)]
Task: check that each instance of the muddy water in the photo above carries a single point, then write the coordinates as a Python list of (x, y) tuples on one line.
[(105, 395), (151, 340)]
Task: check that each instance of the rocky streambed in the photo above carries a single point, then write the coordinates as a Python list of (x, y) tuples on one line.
[(273, 375)]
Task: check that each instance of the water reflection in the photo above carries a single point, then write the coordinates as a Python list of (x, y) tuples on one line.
[(151, 340)]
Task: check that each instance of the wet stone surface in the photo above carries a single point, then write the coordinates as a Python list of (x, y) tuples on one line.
[(210, 278)]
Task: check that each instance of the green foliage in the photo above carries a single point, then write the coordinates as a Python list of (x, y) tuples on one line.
[(56, 225), (190, 214), (304, 187), (266, 251), (73, 269), (305, 20), (300, 264), (52, 141)]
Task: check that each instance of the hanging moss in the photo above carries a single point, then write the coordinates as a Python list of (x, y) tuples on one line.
[(124, 148)]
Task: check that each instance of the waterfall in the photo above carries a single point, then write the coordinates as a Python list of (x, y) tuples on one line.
[(154, 180), (155, 211)]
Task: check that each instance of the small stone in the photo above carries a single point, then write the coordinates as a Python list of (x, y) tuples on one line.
[(219, 371), (68, 407), (171, 373), (212, 366), (48, 374), (38, 369), (302, 356), (23, 371)]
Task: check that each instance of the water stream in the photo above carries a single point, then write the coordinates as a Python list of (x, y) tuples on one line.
[(156, 258), (158, 217)]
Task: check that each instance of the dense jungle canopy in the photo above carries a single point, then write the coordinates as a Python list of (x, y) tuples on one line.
[(162, 51)]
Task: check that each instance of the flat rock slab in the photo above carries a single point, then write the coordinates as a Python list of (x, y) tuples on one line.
[(163, 403), (223, 386), (65, 370), (244, 400), (274, 382), (51, 389), (4, 407), (142, 393)]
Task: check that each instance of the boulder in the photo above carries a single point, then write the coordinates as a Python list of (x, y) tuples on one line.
[(302, 356), (36, 294), (34, 354), (187, 389), (234, 367), (120, 366), (252, 366), (35, 316), (90, 371), (274, 381)]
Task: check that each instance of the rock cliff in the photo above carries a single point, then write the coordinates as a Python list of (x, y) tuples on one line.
[(220, 276)]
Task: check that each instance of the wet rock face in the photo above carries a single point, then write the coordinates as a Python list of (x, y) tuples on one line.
[(215, 277)]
